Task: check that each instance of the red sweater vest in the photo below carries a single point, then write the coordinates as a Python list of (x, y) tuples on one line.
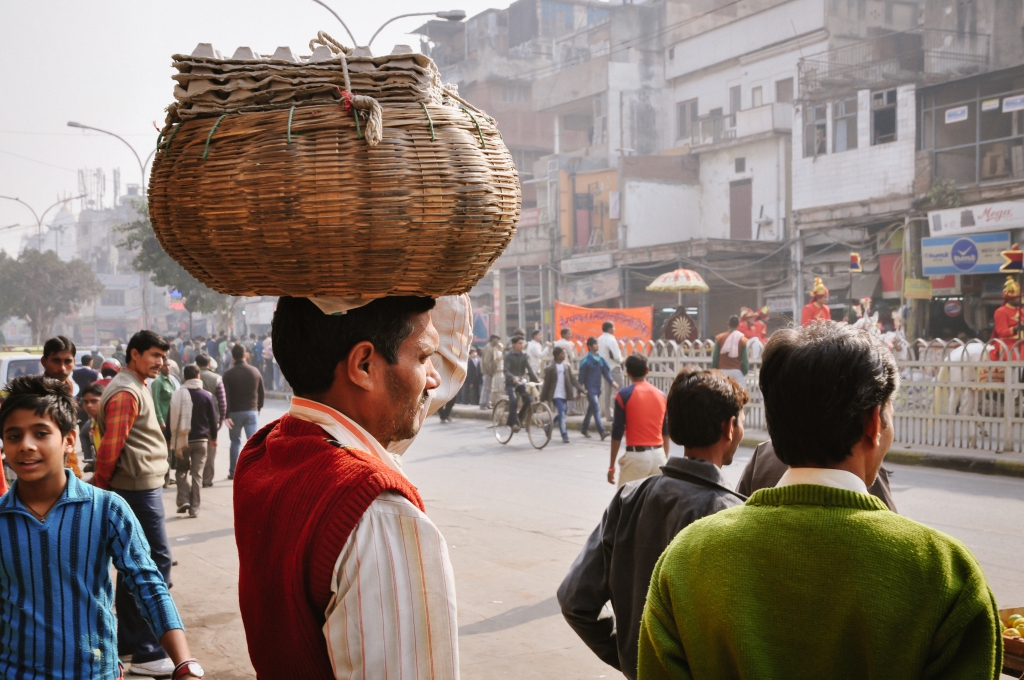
[(297, 497)]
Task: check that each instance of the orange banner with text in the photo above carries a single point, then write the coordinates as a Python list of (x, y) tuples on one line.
[(632, 323)]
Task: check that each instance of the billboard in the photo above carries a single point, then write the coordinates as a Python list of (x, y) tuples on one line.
[(631, 323), (977, 219), (972, 254), (604, 286)]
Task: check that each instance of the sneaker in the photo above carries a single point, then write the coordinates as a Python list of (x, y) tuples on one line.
[(565, 441), (585, 434), (604, 435), (161, 668), (193, 515), (207, 486), (231, 476), (183, 509)]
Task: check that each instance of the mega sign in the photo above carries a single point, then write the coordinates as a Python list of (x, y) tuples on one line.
[(977, 219), (976, 254)]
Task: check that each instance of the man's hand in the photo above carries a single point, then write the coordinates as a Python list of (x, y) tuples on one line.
[(228, 422), (611, 475), (615, 385)]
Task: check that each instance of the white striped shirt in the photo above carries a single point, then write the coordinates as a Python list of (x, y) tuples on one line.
[(393, 612)]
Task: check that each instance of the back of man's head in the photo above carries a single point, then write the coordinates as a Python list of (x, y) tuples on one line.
[(591, 343), (699, 402), (818, 382), (58, 344), (566, 333), (607, 327), (202, 361), (238, 352), (734, 322), (191, 372), (636, 366), (143, 341), (309, 345), (87, 360)]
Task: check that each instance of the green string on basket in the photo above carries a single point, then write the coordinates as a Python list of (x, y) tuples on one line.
[(291, 112), (429, 120), (206, 149), (483, 144), (159, 138), (359, 130), (170, 138)]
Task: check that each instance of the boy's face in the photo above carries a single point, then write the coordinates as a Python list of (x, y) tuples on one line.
[(34, 447), (91, 404), (59, 365)]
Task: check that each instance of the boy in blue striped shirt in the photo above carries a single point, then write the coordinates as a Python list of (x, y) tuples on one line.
[(58, 537)]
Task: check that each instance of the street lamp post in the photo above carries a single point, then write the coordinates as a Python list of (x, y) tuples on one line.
[(142, 166), (40, 218), (450, 15)]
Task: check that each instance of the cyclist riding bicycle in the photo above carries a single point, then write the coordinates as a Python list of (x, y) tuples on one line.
[(517, 369)]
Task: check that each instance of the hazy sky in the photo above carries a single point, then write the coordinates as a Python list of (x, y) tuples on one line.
[(107, 63)]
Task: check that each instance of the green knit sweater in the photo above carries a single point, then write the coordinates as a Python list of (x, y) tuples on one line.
[(815, 582)]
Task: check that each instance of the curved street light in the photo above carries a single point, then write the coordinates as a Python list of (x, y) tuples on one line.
[(40, 218), (450, 15), (343, 24), (142, 167)]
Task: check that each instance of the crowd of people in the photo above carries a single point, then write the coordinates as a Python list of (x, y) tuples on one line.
[(362, 583), (96, 449)]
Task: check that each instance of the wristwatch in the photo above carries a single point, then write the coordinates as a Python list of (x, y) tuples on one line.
[(188, 667)]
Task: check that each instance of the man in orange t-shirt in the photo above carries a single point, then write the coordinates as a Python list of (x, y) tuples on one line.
[(817, 309), (748, 317)]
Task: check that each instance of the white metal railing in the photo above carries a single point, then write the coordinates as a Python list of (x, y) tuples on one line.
[(953, 394)]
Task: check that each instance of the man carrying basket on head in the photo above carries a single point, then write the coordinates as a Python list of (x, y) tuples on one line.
[(341, 572)]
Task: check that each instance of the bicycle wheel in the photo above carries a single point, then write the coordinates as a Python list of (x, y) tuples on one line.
[(539, 425), (499, 421)]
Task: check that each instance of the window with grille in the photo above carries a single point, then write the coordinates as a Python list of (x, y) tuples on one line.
[(686, 117), (815, 131), (844, 125), (883, 117)]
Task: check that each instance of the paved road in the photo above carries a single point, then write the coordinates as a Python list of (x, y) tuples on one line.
[(515, 518)]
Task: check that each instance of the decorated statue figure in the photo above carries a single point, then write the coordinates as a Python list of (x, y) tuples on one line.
[(817, 309), (1007, 317), (760, 326), (748, 317)]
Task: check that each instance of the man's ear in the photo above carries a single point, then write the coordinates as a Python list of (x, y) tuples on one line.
[(70, 438), (873, 425), (728, 427), (357, 367)]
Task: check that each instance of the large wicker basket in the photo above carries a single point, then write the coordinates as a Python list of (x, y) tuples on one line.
[(297, 201)]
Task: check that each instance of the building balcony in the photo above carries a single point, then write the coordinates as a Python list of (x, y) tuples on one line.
[(760, 120)]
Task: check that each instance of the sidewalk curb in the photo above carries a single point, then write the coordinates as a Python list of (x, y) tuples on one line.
[(1003, 468)]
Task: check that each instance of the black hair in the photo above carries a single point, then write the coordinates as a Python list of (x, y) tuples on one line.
[(636, 365), (734, 321), (237, 352), (557, 352), (87, 360), (202, 361), (309, 344), (143, 341), (44, 397), (495, 337), (565, 331), (607, 327), (94, 388), (818, 383), (58, 344), (534, 334), (191, 372), (515, 339), (591, 341), (699, 401)]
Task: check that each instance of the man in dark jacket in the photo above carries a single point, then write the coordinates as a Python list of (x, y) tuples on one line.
[(243, 387), (765, 470), (705, 414), (560, 387), (593, 367), (190, 454), (517, 369)]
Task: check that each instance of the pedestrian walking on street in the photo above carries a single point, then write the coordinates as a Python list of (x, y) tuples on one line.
[(162, 389), (569, 347), (848, 586), (474, 378), (640, 416), (59, 364), (58, 539), (243, 387), (490, 364), (132, 462), (88, 432), (730, 354), (517, 370), (193, 419), (608, 347), (594, 369), (705, 413), (537, 352), (85, 375), (343, 575), (213, 384), (560, 386)]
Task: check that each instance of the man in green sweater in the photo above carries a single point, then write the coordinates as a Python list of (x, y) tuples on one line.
[(815, 578)]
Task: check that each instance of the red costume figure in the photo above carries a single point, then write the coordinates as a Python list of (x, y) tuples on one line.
[(760, 326), (1007, 320), (748, 318), (817, 309)]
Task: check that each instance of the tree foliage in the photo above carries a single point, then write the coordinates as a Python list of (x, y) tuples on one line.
[(39, 287), (148, 257)]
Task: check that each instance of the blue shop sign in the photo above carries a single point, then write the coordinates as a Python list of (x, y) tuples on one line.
[(974, 254)]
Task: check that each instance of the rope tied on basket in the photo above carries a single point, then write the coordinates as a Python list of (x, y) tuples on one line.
[(206, 149), (354, 102)]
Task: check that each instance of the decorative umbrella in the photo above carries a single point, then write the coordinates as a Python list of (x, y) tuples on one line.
[(679, 281)]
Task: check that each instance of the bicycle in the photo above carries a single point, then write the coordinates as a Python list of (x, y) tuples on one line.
[(538, 420)]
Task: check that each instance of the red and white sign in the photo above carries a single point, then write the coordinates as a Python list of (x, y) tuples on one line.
[(977, 218), (946, 286), (953, 308)]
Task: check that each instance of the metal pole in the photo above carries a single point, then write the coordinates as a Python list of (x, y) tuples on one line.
[(540, 285), (520, 298), (798, 265), (142, 169)]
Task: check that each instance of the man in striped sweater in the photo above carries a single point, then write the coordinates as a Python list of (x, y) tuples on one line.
[(58, 538), (362, 583)]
